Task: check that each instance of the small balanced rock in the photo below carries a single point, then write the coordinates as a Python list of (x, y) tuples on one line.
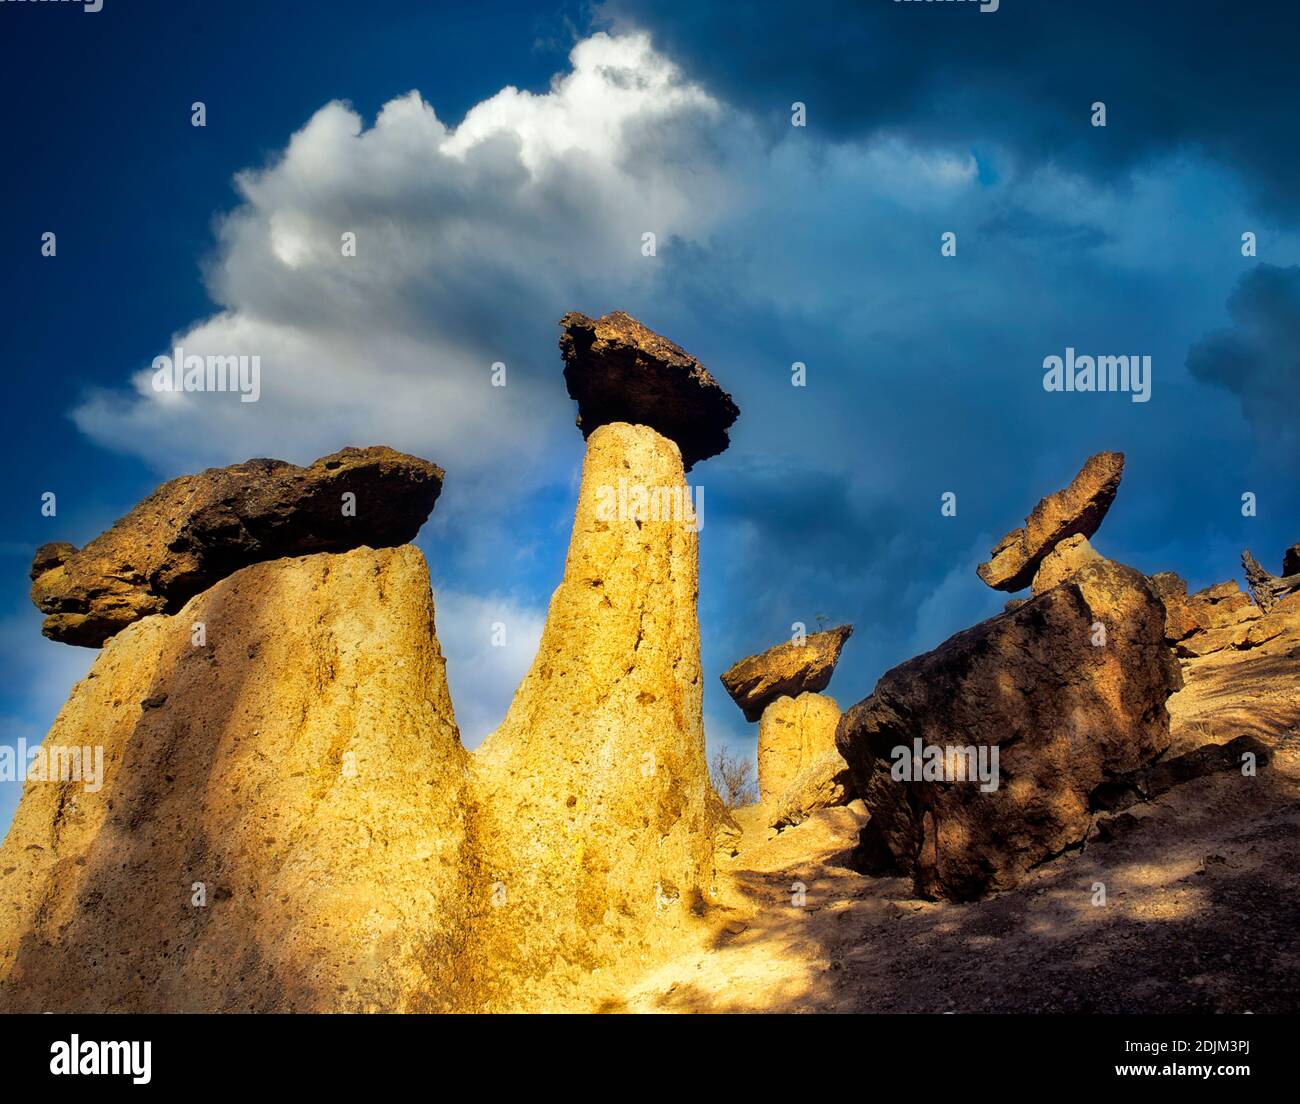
[(620, 371), (1077, 510), (786, 670), (196, 530)]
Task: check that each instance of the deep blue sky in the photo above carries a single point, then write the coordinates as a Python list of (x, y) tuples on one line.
[(778, 244)]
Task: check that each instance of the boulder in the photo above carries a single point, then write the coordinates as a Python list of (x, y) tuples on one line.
[(791, 734), (1078, 509), (620, 371), (198, 529), (824, 783), (787, 670), (282, 823), (599, 816), (1180, 615), (1223, 615), (1291, 561), (1063, 561), (1065, 706)]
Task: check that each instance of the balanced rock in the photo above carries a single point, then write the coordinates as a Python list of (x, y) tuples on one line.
[(787, 670), (599, 817), (792, 733), (1068, 690), (620, 371), (198, 529), (1063, 561), (281, 823), (1078, 509)]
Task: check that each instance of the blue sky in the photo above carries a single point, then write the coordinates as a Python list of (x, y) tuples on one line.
[(500, 163)]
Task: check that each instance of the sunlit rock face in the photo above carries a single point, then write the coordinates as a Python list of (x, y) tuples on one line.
[(792, 734), (1077, 510), (283, 822), (598, 830)]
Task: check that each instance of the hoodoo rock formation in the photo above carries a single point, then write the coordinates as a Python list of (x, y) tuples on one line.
[(788, 670), (195, 530), (620, 371), (288, 820), (1078, 509), (606, 839), (800, 769), (284, 821)]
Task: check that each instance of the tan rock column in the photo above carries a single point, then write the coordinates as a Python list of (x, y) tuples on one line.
[(598, 833), (792, 734), (283, 822)]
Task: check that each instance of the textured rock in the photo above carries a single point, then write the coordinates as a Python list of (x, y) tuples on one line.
[(1063, 561), (198, 529), (1223, 616), (792, 733), (788, 670), (1078, 509), (303, 764), (1180, 616), (598, 812), (1291, 561), (1064, 712), (620, 371), (824, 783)]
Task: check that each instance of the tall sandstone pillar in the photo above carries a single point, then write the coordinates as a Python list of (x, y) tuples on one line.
[(597, 808)]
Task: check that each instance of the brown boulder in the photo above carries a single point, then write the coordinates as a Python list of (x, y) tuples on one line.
[(786, 670), (1181, 619), (1064, 707), (620, 371), (198, 529), (1079, 508), (1063, 561)]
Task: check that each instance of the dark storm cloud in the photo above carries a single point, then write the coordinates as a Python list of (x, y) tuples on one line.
[(1257, 358), (1211, 76)]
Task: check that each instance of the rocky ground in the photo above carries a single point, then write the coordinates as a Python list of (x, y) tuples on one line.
[(1202, 891)]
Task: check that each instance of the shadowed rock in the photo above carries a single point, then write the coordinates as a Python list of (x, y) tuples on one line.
[(620, 371), (1066, 708), (1291, 561), (196, 530), (786, 670), (1078, 509)]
